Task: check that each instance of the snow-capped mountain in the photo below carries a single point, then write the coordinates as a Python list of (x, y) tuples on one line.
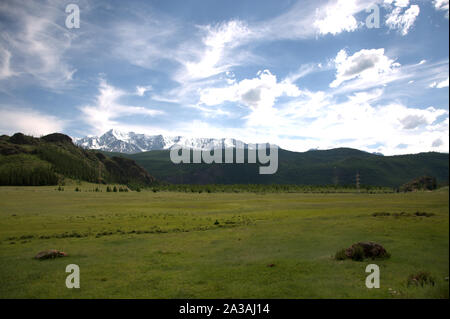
[(116, 141)]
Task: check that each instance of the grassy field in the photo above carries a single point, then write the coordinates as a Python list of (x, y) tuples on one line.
[(219, 245)]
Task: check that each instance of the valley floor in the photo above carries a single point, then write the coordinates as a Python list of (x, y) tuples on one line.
[(218, 245)]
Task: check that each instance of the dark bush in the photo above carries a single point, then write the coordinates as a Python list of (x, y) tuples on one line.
[(424, 214), (340, 255), (358, 253), (421, 183), (420, 279), (21, 139), (57, 138), (381, 214), (362, 250)]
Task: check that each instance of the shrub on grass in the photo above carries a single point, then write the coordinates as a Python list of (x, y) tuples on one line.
[(362, 250), (424, 214), (340, 255), (381, 214), (421, 278), (358, 253)]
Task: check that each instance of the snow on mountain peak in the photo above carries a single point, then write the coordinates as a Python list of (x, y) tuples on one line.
[(119, 135), (123, 142)]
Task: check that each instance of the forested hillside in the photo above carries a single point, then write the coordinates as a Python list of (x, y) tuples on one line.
[(328, 167), (25, 160)]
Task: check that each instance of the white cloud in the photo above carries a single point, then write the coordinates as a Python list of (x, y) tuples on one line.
[(212, 50), (337, 17), (440, 85), (143, 40), (425, 74), (108, 110), (402, 3), (295, 23), (211, 112), (36, 42), (28, 121), (414, 121), (422, 74), (442, 5), (307, 69), (314, 119), (258, 94), (140, 90), (402, 21), (307, 19), (357, 123), (364, 65), (218, 42), (5, 64)]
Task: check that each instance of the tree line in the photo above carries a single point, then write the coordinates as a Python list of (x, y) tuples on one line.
[(25, 176)]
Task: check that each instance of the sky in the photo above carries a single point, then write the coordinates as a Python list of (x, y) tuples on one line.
[(299, 74)]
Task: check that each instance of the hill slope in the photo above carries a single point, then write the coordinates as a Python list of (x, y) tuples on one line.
[(335, 166), (25, 160)]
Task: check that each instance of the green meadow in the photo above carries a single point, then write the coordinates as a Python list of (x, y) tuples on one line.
[(218, 245)]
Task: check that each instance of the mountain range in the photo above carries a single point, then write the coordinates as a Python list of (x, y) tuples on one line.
[(315, 167), (131, 143), (25, 160)]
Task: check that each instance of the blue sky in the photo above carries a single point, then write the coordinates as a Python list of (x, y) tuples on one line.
[(300, 74)]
